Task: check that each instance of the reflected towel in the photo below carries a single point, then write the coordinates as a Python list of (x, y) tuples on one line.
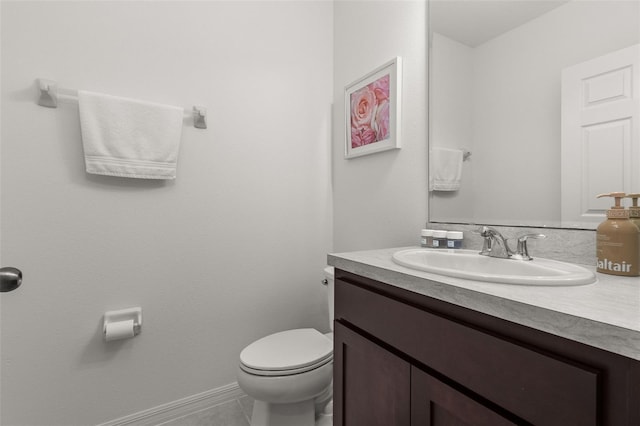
[(129, 138), (445, 169)]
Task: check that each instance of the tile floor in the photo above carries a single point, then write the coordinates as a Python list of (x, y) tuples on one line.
[(232, 413)]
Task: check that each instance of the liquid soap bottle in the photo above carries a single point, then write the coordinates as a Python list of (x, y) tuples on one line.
[(634, 209), (618, 241)]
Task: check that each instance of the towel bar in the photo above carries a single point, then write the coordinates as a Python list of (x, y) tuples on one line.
[(49, 98)]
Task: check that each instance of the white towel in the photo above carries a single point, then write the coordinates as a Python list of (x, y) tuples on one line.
[(445, 167), (129, 138)]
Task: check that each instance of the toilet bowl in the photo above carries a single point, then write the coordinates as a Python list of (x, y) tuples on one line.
[(289, 374)]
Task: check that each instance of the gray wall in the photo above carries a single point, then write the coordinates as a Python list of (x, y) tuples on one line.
[(233, 249)]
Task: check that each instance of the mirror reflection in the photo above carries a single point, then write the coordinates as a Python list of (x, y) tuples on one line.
[(502, 78)]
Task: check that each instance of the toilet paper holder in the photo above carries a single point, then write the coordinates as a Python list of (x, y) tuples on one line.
[(134, 314)]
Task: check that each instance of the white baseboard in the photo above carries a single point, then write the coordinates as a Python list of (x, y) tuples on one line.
[(181, 407)]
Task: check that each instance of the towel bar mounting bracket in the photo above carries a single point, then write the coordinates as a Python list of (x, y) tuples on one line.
[(48, 93)]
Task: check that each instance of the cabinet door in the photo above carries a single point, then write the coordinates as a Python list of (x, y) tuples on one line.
[(538, 386), (433, 403), (371, 385)]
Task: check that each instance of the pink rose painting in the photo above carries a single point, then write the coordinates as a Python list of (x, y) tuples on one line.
[(370, 113)]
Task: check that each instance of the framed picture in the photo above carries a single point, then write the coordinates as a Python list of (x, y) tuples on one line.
[(372, 109)]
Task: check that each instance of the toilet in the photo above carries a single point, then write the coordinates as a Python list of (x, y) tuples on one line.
[(289, 374)]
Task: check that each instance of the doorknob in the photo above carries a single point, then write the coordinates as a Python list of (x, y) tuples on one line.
[(10, 279)]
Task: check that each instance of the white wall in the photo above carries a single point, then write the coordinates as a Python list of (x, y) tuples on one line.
[(451, 118), (380, 200), (230, 251), (516, 118)]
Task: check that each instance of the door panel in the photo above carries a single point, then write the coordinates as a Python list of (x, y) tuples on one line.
[(600, 134), (433, 403)]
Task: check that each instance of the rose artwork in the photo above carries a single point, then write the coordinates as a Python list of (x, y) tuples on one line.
[(370, 113)]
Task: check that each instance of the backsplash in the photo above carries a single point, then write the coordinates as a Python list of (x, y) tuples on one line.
[(568, 245)]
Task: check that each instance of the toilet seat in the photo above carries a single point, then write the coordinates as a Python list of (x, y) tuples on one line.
[(287, 353), (290, 372)]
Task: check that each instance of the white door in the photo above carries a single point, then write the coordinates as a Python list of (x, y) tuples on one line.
[(600, 134)]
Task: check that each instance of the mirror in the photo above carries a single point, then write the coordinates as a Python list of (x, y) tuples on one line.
[(495, 93)]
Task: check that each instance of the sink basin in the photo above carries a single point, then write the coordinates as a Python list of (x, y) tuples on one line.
[(471, 265)]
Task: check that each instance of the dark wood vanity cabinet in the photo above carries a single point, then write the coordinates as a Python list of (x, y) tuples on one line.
[(404, 359), (382, 389)]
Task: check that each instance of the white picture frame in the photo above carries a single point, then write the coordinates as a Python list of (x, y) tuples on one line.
[(372, 111)]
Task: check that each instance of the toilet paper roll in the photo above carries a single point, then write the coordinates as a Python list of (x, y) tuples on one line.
[(118, 330)]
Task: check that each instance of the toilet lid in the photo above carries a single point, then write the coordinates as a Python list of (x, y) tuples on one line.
[(288, 350)]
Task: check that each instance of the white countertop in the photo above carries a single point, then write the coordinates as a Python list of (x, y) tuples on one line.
[(605, 314)]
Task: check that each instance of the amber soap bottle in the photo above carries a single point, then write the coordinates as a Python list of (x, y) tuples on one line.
[(618, 241), (634, 209)]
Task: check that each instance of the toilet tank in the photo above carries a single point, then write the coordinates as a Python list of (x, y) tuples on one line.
[(328, 280)]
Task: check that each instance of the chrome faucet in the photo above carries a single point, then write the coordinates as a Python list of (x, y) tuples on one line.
[(496, 245)]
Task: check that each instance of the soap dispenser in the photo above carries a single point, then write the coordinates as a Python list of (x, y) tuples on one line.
[(634, 209), (618, 241)]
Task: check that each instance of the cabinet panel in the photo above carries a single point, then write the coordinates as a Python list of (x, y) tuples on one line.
[(434, 403), (537, 387), (371, 385)]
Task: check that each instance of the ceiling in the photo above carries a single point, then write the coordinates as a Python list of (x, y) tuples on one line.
[(473, 22)]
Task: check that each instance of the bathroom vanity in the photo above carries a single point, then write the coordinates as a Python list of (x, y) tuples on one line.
[(414, 348)]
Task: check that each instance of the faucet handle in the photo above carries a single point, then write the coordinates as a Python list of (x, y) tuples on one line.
[(487, 231), (490, 234), (521, 251)]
